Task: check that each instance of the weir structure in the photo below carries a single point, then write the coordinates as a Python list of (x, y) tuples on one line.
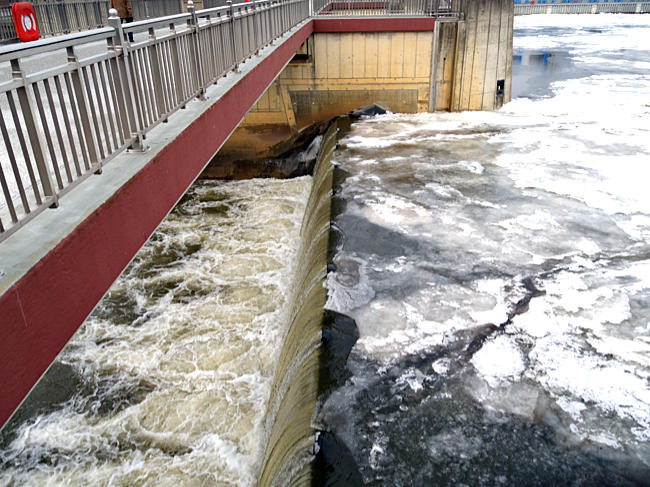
[(456, 59), (104, 131)]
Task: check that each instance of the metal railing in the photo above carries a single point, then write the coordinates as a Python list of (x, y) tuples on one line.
[(56, 17), (213, 3), (7, 29), (525, 7), (148, 9), (71, 103), (389, 8)]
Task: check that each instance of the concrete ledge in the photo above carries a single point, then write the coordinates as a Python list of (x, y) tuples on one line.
[(55, 270)]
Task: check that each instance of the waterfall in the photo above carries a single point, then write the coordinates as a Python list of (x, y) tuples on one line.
[(295, 393)]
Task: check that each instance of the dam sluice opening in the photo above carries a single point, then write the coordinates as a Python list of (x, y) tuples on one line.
[(497, 268)]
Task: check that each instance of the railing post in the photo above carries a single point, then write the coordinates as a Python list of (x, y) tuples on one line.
[(124, 88), (156, 74), (98, 15), (196, 50), (28, 108), (271, 20), (78, 83), (65, 26), (232, 34), (255, 28), (267, 21), (176, 66), (276, 19)]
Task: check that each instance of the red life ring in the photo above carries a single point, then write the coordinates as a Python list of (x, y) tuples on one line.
[(25, 21)]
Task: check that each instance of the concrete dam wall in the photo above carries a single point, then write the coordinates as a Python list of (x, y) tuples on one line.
[(408, 65)]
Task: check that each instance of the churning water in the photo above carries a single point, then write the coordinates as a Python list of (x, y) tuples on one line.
[(174, 368), (498, 267)]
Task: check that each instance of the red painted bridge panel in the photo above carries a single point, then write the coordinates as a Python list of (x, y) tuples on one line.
[(386, 24)]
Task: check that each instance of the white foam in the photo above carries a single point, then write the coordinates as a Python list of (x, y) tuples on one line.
[(412, 378), (474, 167), (370, 142), (637, 227), (395, 211), (493, 308), (441, 366), (612, 388), (349, 290), (627, 30)]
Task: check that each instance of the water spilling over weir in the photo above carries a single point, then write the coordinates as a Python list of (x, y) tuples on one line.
[(296, 386)]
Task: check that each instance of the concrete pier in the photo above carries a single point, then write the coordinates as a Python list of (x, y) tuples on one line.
[(408, 65), (482, 56)]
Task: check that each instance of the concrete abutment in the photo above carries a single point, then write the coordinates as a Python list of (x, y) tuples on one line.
[(408, 65)]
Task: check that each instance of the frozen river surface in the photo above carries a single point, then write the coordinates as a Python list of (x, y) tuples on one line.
[(498, 267)]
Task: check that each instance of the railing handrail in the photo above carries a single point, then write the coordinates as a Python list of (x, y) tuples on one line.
[(14, 51), (577, 2), (136, 26), (581, 7), (141, 25)]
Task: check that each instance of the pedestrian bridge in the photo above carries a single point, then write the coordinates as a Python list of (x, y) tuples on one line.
[(103, 132)]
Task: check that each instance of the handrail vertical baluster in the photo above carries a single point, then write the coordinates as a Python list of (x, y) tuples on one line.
[(68, 125), (78, 82), (23, 147), (195, 52), (176, 67), (256, 25), (28, 109), (14, 167), (122, 74), (156, 74), (232, 34)]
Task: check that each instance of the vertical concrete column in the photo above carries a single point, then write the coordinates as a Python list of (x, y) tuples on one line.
[(445, 40), (482, 77)]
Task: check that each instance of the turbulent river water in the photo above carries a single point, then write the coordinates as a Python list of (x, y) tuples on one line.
[(172, 372), (498, 268)]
